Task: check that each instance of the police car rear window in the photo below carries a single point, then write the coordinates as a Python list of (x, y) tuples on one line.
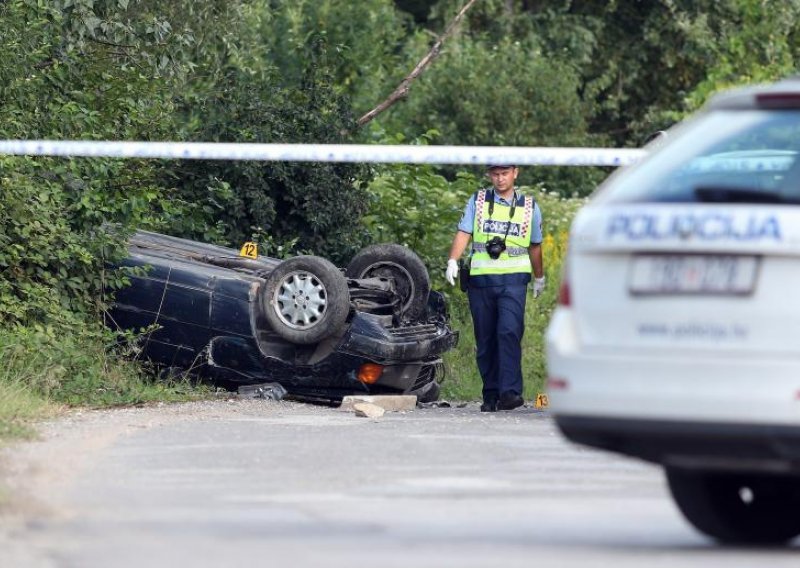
[(746, 156)]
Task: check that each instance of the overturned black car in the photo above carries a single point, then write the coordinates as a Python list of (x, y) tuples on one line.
[(320, 332)]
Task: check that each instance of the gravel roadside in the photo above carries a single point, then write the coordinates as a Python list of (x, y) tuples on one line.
[(34, 474)]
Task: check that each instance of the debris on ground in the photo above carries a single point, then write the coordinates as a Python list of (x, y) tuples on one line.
[(434, 404), (389, 403), (270, 391), (368, 410)]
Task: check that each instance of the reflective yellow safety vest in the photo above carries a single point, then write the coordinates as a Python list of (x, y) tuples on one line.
[(512, 223)]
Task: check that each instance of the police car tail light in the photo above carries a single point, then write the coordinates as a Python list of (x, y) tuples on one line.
[(564, 294), (564, 298)]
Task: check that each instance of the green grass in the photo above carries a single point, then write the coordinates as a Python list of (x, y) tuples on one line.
[(18, 407), (462, 381), (44, 372)]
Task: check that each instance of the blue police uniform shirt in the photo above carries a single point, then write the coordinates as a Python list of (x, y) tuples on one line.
[(467, 223)]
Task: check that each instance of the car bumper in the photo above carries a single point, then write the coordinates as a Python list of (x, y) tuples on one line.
[(368, 338), (238, 360), (701, 445), (701, 386)]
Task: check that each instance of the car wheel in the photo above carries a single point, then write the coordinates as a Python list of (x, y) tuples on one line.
[(400, 263), (305, 299), (739, 508)]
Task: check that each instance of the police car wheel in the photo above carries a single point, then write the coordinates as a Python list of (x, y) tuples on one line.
[(738, 508), (401, 264), (305, 299)]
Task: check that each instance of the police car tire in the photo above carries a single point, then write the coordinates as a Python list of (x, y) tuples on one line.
[(402, 264), (739, 508), (327, 289)]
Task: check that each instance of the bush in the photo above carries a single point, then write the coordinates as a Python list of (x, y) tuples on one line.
[(413, 205)]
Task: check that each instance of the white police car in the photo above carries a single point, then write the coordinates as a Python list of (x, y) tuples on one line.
[(677, 335)]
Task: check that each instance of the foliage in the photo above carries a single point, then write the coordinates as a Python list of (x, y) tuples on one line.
[(364, 40), (280, 202), (415, 206), (646, 64), (51, 255), (538, 103), (62, 220), (756, 42), (503, 92)]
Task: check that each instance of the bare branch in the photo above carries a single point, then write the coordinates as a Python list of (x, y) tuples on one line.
[(401, 91), (111, 44)]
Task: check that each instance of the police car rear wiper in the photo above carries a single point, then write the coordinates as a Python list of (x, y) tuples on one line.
[(722, 194)]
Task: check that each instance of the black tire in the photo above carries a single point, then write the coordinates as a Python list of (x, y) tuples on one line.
[(400, 263), (738, 508), (305, 299)]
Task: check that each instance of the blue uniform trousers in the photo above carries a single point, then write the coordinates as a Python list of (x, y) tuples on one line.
[(498, 317)]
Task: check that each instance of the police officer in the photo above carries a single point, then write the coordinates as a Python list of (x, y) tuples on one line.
[(506, 232)]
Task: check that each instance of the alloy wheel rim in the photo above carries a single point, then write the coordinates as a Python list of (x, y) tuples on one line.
[(300, 300)]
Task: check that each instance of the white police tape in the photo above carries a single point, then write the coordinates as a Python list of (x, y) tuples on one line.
[(518, 155)]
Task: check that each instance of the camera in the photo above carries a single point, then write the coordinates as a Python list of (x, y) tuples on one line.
[(495, 247)]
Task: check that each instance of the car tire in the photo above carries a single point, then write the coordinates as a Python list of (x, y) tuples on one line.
[(305, 299), (738, 508), (401, 264)]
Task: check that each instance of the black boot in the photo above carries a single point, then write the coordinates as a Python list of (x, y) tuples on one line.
[(510, 401), (489, 401)]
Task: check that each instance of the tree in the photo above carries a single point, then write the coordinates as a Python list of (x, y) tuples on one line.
[(312, 207), (401, 91), (755, 42), (645, 63), (62, 220), (364, 43)]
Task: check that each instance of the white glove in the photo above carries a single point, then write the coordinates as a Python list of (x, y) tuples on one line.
[(538, 286), (452, 271)]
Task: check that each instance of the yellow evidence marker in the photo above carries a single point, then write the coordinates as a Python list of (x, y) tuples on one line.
[(249, 249), (541, 401)]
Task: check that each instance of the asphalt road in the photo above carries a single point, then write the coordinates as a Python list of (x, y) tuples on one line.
[(263, 483)]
